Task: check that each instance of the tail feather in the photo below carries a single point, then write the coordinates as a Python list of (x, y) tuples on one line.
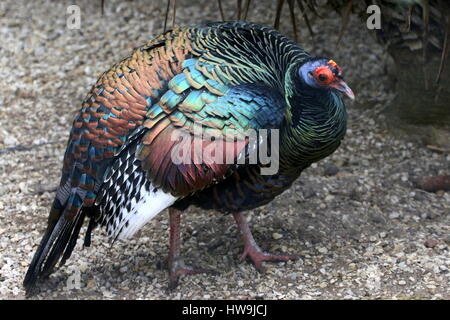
[(60, 246), (73, 238), (58, 240), (56, 248), (67, 216)]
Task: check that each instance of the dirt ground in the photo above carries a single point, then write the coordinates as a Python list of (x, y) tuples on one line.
[(362, 229)]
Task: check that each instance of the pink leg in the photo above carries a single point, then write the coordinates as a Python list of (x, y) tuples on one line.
[(175, 262), (252, 249)]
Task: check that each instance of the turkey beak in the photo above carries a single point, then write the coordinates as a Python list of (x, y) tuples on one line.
[(341, 86)]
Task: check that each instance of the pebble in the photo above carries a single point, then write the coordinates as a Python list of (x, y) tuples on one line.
[(377, 218), (430, 243), (331, 170), (83, 267), (323, 250), (10, 141), (277, 236), (394, 215), (308, 192)]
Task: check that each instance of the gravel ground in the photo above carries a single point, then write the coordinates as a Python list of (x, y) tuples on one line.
[(360, 226)]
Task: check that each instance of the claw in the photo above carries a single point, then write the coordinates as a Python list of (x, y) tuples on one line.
[(257, 256), (178, 269), (252, 250)]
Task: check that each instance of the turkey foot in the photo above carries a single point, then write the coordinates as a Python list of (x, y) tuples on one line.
[(178, 268), (252, 249), (174, 261)]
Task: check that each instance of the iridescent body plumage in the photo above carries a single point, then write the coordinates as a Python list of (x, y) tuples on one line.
[(226, 77)]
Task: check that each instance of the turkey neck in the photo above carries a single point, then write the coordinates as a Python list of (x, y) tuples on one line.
[(313, 128)]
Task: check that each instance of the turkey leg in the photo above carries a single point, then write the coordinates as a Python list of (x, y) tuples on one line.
[(251, 248), (175, 262)]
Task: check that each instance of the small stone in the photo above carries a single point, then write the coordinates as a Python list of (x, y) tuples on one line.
[(308, 192), (394, 215), (394, 200), (430, 243), (402, 282), (277, 236), (331, 170), (23, 187), (90, 284), (123, 269), (107, 294), (322, 250), (10, 141), (83, 267), (377, 218)]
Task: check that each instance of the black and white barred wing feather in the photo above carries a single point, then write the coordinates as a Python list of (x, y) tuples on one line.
[(127, 199)]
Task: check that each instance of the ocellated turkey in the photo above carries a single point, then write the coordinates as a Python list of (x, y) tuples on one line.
[(230, 76)]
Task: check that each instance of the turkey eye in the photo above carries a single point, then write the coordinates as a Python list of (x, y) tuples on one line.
[(322, 77), (310, 74)]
